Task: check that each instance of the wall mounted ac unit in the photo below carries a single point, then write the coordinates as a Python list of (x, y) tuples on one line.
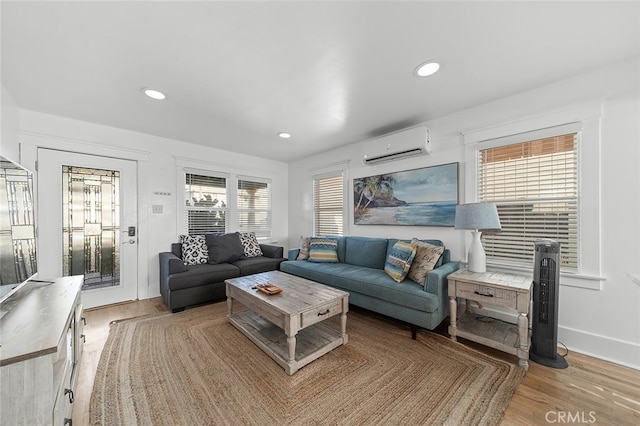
[(396, 146)]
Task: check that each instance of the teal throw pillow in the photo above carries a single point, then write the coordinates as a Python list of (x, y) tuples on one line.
[(399, 260), (323, 250)]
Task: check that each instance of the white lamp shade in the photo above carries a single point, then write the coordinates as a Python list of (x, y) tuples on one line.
[(477, 216)]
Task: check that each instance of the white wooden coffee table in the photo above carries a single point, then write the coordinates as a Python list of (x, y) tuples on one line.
[(288, 326)]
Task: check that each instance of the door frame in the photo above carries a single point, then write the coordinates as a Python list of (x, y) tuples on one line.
[(29, 144)]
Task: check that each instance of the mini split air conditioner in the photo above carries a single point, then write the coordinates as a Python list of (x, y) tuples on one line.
[(396, 146)]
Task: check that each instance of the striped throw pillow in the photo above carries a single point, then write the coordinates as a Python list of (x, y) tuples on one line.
[(399, 260), (323, 250)]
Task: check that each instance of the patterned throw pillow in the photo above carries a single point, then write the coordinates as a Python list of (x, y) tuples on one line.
[(399, 260), (304, 248), (194, 249), (427, 256), (323, 250), (250, 244)]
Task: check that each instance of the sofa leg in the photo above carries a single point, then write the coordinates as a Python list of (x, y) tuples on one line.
[(414, 331)]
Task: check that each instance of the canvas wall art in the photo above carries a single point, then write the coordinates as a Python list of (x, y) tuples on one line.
[(426, 196)]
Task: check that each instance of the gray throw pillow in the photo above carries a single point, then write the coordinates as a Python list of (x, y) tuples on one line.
[(225, 248)]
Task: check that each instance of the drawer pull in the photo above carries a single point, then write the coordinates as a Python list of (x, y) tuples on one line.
[(483, 294), (323, 313), (70, 393)]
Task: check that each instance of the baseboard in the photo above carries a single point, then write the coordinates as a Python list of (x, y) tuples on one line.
[(606, 348), (595, 345)]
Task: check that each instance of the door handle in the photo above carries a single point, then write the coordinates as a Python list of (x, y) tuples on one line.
[(130, 241)]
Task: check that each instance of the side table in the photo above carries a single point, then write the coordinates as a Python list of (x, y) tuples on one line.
[(496, 289)]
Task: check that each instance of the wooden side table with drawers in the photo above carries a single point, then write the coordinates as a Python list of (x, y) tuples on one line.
[(493, 289)]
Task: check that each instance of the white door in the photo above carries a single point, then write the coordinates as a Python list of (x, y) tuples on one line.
[(87, 223)]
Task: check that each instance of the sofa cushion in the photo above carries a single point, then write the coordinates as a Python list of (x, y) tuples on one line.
[(399, 260), (225, 248), (198, 275), (427, 256), (323, 250), (250, 244), (370, 281), (368, 252), (194, 249)]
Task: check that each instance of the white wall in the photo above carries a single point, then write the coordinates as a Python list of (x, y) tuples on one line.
[(158, 160), (603, 322), (9, 126)]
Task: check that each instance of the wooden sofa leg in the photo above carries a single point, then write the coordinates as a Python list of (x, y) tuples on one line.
[(414, 331)]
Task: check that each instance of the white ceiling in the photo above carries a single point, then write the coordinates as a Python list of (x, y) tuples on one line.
[(332, 73)]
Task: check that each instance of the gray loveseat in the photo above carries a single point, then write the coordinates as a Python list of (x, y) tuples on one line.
[(360, 271), (183, 285)]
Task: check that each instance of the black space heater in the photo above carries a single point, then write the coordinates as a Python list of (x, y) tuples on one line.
[(544, 323)]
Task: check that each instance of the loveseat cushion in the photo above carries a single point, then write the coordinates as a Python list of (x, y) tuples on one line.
[(197, 275), (368, 252), (255, 265), (224, 248), (370, 281)]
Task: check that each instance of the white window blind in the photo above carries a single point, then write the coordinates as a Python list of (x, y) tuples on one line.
[(205, 204), (254, 206), (328, 205), (535, 187)]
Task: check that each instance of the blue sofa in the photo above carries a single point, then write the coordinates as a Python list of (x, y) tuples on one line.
[(360, 271)]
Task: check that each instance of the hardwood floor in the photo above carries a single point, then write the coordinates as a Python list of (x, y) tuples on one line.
[(590, 391)]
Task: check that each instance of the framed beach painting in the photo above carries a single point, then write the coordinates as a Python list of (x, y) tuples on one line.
[(426, 197)]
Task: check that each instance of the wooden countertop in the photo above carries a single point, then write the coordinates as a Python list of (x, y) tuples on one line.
[(35, 318)]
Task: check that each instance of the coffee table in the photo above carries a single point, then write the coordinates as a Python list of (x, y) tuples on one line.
[(288, 326)]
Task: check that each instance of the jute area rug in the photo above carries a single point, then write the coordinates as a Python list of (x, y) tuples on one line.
[(194, 368)]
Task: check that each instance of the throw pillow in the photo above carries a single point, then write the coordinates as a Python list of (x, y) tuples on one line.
[(250, 244), (399, 260), (323, 250), (304, 248), (224, 248), (427, 256), (194, 249)]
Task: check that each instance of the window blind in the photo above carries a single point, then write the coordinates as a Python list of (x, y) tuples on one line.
[(254, 207), (535, 187), (328, 205), (205, 204)]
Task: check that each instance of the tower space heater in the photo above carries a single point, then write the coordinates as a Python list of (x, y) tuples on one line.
[(544, 323)]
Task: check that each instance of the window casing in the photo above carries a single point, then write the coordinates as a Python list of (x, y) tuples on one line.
[(328, 205), (220, 203), (535, 186)]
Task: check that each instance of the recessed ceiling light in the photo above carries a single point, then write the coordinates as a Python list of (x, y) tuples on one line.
[(284, 135), (427, 68), (154, 94)]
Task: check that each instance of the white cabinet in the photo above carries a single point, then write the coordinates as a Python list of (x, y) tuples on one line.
[(41, 333)]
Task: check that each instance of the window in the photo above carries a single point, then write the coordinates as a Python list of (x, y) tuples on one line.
[(535, 187), (254, 206), (328, 205), (206, 204)]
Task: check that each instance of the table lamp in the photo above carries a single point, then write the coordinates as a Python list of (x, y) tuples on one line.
[(477, 217)]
